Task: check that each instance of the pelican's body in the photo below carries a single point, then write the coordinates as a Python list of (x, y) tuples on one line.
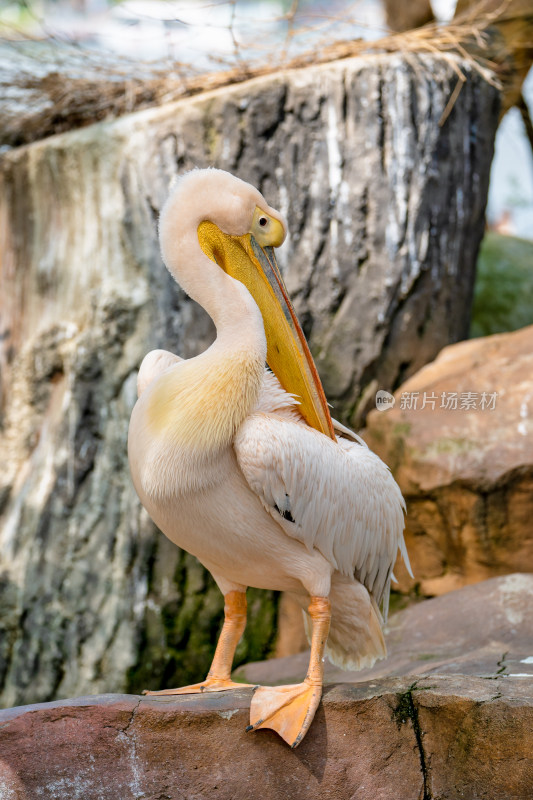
[(226, 465)]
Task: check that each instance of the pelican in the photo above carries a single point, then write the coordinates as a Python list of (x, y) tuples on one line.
[(241, 464)]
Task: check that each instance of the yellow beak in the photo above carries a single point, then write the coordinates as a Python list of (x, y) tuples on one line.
[(288, 353)]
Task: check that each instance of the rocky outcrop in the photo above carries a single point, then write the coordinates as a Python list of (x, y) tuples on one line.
[(385, 210), (459, 443), (448, 715), (482, 630), (439, 739)]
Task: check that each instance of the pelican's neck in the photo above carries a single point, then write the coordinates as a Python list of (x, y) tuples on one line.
[(199, 405), (226, 300)]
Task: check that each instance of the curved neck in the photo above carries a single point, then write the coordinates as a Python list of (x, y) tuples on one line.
[(203, 402), (226, 300)]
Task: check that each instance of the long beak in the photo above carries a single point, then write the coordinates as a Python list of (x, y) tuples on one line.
[(288, 353)]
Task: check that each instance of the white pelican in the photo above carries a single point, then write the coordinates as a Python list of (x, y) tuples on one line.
[(241, 466)]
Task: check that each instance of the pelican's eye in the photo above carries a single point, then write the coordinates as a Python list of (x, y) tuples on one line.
[(267, 230)]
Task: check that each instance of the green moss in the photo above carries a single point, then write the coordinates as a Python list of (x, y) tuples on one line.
[(404, 710), (259, 637), (503, 293), (402, 429), (449, 445), (378, 434), (407, 711), (400, 600)]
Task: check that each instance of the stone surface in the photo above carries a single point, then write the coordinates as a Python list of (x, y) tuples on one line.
[(482, 630), (384, 227), (444, 738), (466, 473)]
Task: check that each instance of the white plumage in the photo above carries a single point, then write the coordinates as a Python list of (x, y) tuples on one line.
[(230, 470), (342, 499)]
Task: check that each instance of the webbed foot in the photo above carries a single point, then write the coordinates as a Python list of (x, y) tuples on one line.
[(288, 710)]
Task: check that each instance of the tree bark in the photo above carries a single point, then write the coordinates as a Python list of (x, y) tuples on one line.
[(385, 210)]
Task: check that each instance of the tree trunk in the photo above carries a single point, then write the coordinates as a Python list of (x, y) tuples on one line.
[(385, 210)]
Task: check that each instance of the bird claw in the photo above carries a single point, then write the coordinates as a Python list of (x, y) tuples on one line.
[(288, 710)]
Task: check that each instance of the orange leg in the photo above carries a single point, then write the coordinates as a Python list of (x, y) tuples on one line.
[(289, 710), (219, 676)]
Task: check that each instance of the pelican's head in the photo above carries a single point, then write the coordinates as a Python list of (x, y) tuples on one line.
[(237, 229), (233, 205)]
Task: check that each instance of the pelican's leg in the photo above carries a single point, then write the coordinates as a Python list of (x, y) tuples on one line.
[(289, 710), (219, 676)]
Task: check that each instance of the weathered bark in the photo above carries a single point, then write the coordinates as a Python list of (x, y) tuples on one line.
[(385, 211)]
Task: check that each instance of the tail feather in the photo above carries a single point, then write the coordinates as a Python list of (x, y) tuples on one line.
[(355, 637)]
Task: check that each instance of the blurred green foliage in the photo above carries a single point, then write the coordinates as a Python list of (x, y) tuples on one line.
[(503, 294)]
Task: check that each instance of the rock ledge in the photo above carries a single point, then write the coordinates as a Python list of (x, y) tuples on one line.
[(437, 738)]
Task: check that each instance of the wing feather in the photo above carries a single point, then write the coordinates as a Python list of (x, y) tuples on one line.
[(341, 497)]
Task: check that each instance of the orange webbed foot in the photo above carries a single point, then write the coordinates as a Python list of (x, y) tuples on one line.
[(288, 710)]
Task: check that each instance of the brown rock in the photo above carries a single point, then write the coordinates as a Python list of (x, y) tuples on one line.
[(291, 636), (482, 630), (413, 728), (445, 738), (466, 472)]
